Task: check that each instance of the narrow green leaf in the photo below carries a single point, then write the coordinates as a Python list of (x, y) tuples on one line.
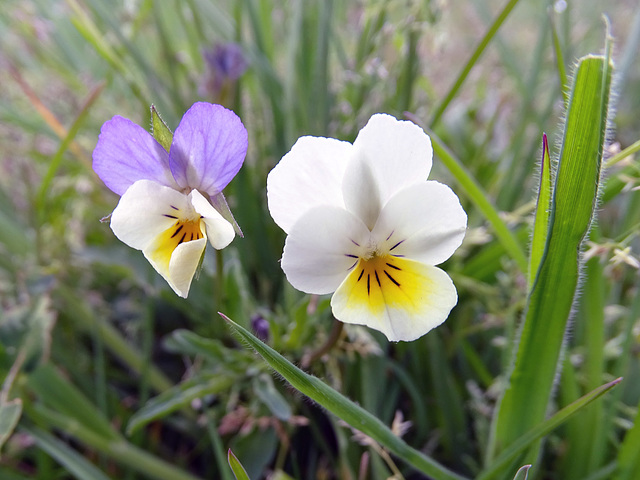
[(76, 464), (541, 429), (159, 129), (62, 396), (526, 398), (344, 408), (629, 453), (522, 473), (541, 222), (475, 56), (176, 398), (266, 391), (480, 199), (236, 467), (119, 450), (557, 49), (9, 415)]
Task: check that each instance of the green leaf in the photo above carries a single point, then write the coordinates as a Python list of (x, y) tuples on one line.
[(76, 464), (185, 342), (525, 401), (236, 467), (344, 408), (493, 29), (629, 453), (9, 415), (26, 330), (178, 397), (61, 395), (480, 199), (265, 390), (503, 461), (159, 130), (522, 473), (541, 222)]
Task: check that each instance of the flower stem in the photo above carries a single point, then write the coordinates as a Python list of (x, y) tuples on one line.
[(334, 335)]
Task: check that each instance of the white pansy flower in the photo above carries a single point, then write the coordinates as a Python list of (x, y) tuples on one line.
[(364, 223)]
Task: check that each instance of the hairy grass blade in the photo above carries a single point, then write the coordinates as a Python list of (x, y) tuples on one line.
[(526, 398), (344, 408)]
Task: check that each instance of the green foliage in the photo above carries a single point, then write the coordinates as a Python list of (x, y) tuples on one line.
[(553, 290)]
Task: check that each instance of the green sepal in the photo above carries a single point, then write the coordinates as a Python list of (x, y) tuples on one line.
[(159, 130)]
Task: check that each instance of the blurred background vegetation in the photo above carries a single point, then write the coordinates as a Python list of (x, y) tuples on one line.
[(89, 333)]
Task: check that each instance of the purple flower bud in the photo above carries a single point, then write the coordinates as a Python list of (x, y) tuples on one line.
[(225, 63), (260, 326)]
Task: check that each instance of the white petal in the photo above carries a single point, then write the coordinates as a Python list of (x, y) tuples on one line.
[(141, 214), (361, 191), (321, 248), (308, 176), (401, 298), (182, 266), (219, 231), (427, 219), (398, 152)]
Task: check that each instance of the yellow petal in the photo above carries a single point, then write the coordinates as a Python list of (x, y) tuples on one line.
[(403, 299)]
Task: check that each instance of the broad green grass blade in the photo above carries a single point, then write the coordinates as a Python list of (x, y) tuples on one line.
[(480, 199), (176, 398), (236, 467), (541, 222), (344, 408), (9, 415), (76, 464), (502, 462), (526, 398)]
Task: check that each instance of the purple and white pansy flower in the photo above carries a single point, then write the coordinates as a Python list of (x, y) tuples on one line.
[(165, 209)]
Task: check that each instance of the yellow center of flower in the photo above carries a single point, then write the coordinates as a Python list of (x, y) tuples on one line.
[(182, 231), (383, 281)]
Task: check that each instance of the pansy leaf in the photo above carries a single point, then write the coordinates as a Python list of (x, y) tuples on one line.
[(9, 415), (159, 130)]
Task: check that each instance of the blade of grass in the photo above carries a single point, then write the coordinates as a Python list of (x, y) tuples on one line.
[(344, 408), (475, 56), (551, 298), (480, 199), (519, 445), (55, 162), (236, 467), (557, 50), (176, 398), (76, 464), (541, 221)]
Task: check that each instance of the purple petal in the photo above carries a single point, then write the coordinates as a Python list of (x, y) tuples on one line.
[(208, 148), (126, 153)]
